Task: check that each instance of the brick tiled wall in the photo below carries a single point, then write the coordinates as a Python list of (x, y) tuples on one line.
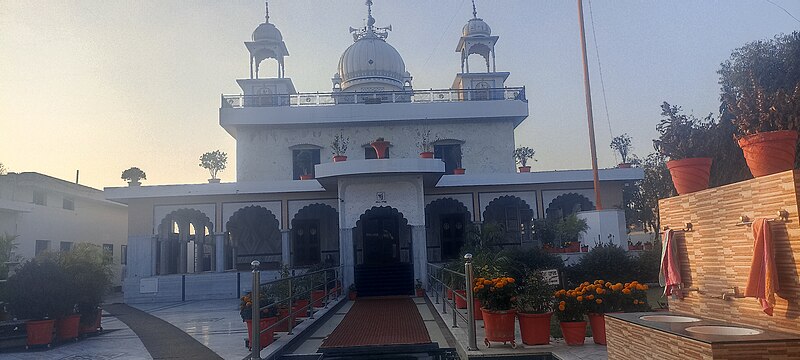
[(716, 255)]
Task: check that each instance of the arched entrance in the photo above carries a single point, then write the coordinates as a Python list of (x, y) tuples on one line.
[(383, 253), (254, 234), (514, 216), (182, 246), (447, 222), (568, 204), (315, 236)]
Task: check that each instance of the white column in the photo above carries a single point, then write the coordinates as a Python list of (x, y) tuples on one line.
[(347, 256), (286, 254), (420, 246), (219, 250), (164, 259), (153, 251)]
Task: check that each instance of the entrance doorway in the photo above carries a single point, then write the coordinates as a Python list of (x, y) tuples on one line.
[(452, 234), (384, 266)]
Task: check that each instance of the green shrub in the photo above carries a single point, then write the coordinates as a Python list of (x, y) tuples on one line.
[(535, 295), (518, 263), (40, 289), (608, 262), (89, 275), (648, 264)]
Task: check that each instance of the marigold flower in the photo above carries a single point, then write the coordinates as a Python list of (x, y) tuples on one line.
[(500, 285), (511, 280), (599, 291), (636, 302), (487, 282), (626, 291), (561, 307), (562, 303), (580, 298), (599, 301), (590, 297), (645, 287)]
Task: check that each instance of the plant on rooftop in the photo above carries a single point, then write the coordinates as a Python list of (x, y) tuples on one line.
[(687, 141), (339, 147), (214, 161), (133, 175), (622, 145), (425, 143), (521, 155)]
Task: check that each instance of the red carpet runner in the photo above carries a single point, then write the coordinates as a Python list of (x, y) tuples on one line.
[(387, 321)]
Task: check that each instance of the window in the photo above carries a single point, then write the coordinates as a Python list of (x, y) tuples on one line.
[(123, 254), (108, 249), (450, 154), (69, 204), (39, 198), (303, 162), (41, 246), (369, 153), (66, 245)]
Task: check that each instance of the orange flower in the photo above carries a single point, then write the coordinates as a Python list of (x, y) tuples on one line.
[(599, 291), (500, 285), (487, 282), (626, 291), (599, 301), (511, 280), (636, 302), (561, 306), (580, 298), (645, 287), (590, 297)]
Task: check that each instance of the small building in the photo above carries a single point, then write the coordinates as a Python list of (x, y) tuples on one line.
[(50, 214), (387, 209)]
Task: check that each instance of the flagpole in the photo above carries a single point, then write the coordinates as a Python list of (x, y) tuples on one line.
[(588, 90)]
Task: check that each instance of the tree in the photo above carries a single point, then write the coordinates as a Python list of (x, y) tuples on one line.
[(214, 161), (522, 154), (3, 169), (133, 175), (7, 245), (622, 145), (644, 194)]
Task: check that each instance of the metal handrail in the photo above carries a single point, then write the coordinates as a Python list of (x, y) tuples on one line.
[(436, 274), (291, 313), (349, 97)]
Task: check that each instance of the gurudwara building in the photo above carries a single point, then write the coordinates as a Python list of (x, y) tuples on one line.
[(384, 213)]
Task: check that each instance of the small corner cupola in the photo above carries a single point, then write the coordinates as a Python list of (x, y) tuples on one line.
[(476, 38), (370, 63), (267, 43)]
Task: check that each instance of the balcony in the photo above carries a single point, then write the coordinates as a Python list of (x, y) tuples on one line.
[(412, 96)]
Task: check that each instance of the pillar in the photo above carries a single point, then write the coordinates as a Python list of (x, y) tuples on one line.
[(182, 257), (347, 256), (286, 254), (164, 268), (219, 250), (420, 247)]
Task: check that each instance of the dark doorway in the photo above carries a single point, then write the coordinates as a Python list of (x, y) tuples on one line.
[(452, 228), (381, 240), (306, 245)]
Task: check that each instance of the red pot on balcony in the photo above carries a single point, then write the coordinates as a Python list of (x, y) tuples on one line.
[(40, 332), (306, 177), (338, 158), (459, 171), (426, 155), (524, 169), (380, 147)]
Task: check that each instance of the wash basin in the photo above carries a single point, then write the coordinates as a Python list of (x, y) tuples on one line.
[(722, 330), (669, 318)]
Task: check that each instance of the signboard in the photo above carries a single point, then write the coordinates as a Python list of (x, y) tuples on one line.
[(148, 286), (551, 276), (380, 197)]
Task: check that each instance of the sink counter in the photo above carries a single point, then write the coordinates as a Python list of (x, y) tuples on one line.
[(679, 328), (630, 337)]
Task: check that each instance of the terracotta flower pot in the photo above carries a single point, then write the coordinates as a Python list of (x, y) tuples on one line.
[(499, 325), (524, 169), (461, 303), (352, 295), (769, 152), (306, 177), (266, 337), (317, 296), (420, 292), (459, 171), (449, 294), (40, 332), (426, 155), (94, 326), (380, 147), (535, 328), (690, 175), (477, 313), (598, 322), (283, 326), (574, 332), (338, 158), (300, 308), (67, 327)]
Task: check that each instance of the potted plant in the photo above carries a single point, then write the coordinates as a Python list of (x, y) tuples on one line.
[(420, 291), (89, 270), (214, 161), (39, 293), (521, 155), (767, 128), (267, 317), (622, 145), (339, 147), (600, 297), (534, 306), (458, 154), (318, 284), (685, 140), (352, 293), (633, 297), (133, 175), (570, 310), (425, 144), (380, 145), (497, 296)]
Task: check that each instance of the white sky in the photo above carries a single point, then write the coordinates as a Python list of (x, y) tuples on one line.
[(101, 86)]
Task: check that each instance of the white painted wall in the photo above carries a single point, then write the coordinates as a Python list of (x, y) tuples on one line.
[(603, 223), (402, 192), (264, 153)]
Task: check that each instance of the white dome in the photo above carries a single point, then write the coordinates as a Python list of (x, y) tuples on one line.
[(476, 26), (372, 61), (267, 31)]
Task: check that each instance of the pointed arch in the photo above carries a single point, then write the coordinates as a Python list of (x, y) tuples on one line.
[(315, 235), (447, 221), (568, 204), (254, 233), (181, 250), (514, 215)]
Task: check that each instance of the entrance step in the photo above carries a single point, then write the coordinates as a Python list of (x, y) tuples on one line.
[(385, 279)]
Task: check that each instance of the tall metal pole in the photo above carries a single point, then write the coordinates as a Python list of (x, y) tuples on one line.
[(255, 329), (588, 90), (473, 342)]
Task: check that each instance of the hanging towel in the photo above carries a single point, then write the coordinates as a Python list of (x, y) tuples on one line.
[(670, 275), (763, 280)]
